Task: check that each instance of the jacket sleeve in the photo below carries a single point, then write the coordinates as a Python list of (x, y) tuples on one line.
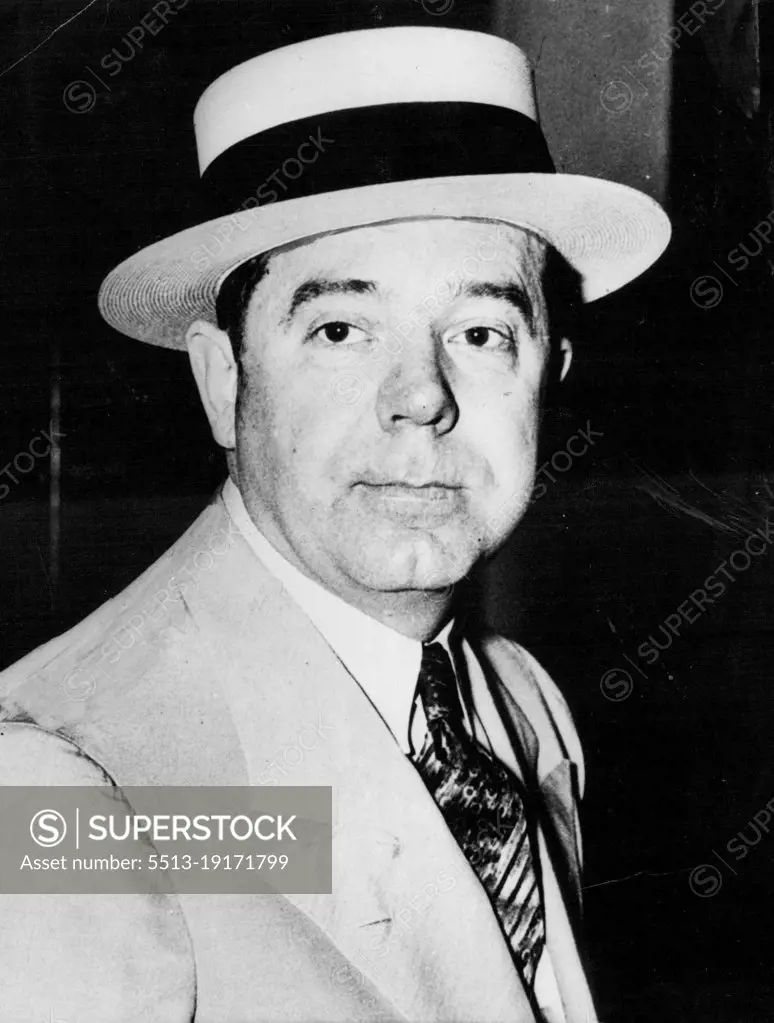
[(90, 958)]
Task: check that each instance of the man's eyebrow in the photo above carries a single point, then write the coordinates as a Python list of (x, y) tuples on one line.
[(319, 286), (512, 292)]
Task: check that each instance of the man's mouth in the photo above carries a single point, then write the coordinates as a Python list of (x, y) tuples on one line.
[(399, 485), (434, 498)]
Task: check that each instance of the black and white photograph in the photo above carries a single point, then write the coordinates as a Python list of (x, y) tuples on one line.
[(387, 511)]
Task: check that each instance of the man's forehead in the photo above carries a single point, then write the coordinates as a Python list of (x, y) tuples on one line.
[(481, 248)]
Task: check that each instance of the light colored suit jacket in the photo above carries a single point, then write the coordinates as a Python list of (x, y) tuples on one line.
[(205, 672)]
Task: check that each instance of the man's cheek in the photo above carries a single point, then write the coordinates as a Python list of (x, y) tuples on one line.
[(332, 437), (507, 440), (321, 463), (505, 503)]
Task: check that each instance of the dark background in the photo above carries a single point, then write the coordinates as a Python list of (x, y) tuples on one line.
[(677, 766)]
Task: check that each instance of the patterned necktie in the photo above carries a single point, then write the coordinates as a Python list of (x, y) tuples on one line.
[(480, 801)]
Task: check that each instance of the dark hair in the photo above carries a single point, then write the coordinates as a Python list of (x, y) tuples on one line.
[(234, 298), (563, 294)]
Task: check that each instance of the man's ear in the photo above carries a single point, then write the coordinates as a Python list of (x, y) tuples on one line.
[(565, 348), (215, 371)]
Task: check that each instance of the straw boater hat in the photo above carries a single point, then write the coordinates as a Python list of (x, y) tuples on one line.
[(368, 127)]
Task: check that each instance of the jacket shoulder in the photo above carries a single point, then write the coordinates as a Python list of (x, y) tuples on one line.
[(47, 684)]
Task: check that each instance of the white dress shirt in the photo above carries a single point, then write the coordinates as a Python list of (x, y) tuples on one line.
[(385, 664)]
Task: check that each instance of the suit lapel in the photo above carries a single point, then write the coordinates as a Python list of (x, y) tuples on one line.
[(513, 697), (413, 908), (515, 713)]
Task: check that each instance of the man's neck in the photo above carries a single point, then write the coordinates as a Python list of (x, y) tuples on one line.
[(417, 614)]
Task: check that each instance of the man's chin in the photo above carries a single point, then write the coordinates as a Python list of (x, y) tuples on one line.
[(421, 560)]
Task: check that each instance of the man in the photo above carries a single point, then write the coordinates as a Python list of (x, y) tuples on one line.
[(371, 347)]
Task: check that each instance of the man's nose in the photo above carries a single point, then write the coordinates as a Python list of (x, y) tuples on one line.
[(415, 390)]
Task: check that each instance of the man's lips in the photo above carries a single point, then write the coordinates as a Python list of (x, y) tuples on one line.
[(433, 500), (427, 490)]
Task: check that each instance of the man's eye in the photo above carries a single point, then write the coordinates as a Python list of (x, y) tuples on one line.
[(483, 337), (338, 332)]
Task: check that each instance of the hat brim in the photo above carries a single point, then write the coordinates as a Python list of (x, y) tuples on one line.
[(608, 232)]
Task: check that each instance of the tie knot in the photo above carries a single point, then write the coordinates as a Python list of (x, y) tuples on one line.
[(437, 684)]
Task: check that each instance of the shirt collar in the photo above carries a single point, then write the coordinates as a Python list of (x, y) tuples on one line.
[(385, 663)]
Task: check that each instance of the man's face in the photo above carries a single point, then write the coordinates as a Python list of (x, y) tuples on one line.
[(388, 409)]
